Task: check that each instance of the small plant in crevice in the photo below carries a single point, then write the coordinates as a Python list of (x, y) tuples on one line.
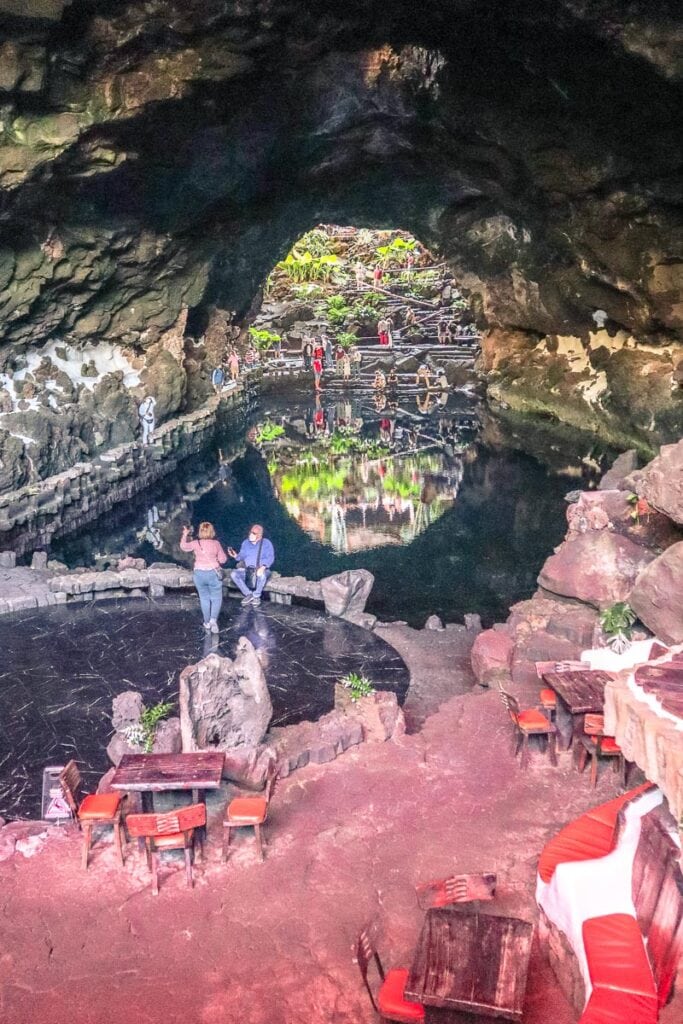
[(359, 686), (616, 623), (143, 733)]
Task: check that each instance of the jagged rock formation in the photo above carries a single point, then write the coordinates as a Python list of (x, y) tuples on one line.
[(157, 157), (224, 704)]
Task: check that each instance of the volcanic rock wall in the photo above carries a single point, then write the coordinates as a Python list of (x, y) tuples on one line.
[(158, 156)]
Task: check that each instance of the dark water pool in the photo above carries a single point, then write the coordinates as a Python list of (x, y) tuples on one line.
[(63, 665), (452, 519)]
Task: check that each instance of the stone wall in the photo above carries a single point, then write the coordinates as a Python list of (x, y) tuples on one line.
[(35, 514)]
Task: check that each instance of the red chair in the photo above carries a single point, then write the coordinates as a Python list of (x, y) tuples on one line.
[(174, 830), (249, 812), (390, 1003), (596, 744), (92, 810), (531, 722)]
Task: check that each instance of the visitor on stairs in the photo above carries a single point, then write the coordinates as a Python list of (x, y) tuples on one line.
[(233, 364), (383, 331), (377, 275), (217, 379), (356, 360), (307, 354), (359, 271), (209, 556), (147, 418), (254, 560), (329, 353)]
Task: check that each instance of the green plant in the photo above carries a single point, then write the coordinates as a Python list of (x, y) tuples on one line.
[(396, 251), (616, 623), (337, 310), (143, 733), (268, 431), (317, 242), (263, 340), (304, 266), (359, 686)]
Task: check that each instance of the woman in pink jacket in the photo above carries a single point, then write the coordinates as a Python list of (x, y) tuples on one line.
[(209, 556)]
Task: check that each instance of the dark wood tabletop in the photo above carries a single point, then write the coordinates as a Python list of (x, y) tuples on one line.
[(470, 962), (582, 691), (155, 773)]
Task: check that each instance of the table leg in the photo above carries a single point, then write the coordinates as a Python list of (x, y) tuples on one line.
[(564, 722), (197, 796), (147, 802)]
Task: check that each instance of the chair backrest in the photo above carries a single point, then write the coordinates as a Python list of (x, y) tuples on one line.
[(182, 819), (594, 725), (365, 954), (510, 703), (70, 781), (456, 889)]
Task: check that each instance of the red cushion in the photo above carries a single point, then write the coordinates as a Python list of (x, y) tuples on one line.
[(590, 836), (532, 719), (606, 1006), (247, 809), (616, 955), (548, 696), (608, 744), (99, 805), (390, 997), (582, 839)]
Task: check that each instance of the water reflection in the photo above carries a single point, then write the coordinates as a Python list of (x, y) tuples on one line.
[(355, 480), (447, 516)]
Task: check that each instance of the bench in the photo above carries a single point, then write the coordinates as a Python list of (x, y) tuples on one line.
[(610, 890)]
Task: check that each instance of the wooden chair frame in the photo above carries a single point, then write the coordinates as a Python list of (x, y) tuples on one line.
[(594, 726), (183, 823), (366, 953), (522, 733), (228, 826), (71, 783)]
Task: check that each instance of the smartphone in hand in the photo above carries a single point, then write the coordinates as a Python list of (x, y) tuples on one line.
[(232, 552)]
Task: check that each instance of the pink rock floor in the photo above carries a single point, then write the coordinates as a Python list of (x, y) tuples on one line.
[(272, 943)]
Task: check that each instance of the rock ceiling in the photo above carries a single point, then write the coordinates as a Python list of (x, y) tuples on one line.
[(156, 154)]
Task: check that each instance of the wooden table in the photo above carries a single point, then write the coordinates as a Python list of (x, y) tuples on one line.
[(580, 693), (159, 773), (468, 963)]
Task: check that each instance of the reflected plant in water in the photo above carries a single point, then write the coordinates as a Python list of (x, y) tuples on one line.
[(268, 431)]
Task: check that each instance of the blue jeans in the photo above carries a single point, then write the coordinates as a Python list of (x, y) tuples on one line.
[(238, 577), (210, 590)]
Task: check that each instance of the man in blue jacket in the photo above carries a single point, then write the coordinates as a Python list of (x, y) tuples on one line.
[(254, 560)]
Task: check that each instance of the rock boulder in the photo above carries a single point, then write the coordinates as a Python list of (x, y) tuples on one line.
[(661, 482), (492, 656), (224, 704), (615, 477), (346, 593), (597, 567), (657, 597)]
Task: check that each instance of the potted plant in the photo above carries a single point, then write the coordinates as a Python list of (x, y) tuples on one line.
[(616, 623)]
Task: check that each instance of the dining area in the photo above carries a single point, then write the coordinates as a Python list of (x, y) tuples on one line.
[(168, 780), (468, 965)]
